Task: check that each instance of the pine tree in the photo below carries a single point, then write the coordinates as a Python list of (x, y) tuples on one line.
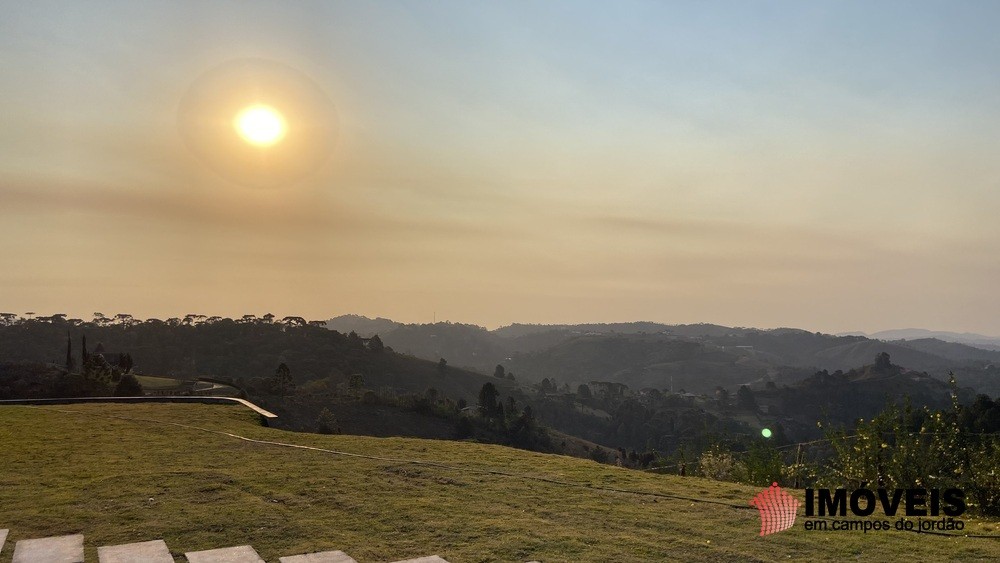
[(125, 362), (283, 378), (488, 400), (356, 382), (745, 399), (882, 362), (355, 340)]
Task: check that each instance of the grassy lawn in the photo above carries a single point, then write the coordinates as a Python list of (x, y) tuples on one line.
[(75, 468), (153, 383)]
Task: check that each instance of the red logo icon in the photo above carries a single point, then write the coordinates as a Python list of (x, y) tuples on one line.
[(777, 509)]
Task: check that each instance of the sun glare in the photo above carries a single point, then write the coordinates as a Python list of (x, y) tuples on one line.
[(260, 125)]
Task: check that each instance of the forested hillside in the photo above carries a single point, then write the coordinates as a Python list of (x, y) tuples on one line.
[(697, 356)]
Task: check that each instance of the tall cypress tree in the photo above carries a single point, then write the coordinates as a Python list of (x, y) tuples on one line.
[(69, 353), (85, 355)]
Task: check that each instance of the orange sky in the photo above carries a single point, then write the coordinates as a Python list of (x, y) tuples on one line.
[(830, 167)]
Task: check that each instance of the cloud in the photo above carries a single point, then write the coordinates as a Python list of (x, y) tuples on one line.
[(246, 211)]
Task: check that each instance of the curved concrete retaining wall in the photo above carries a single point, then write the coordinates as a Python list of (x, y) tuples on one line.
[(265, 415)]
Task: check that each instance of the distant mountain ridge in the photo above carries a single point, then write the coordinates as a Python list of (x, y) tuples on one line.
[(365, 327), (716, 354), (967, 338)]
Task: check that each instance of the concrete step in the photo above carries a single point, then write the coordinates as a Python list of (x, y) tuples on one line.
[(238, 554), (59, 549), (320, 557), (69, 549), (154, 551)]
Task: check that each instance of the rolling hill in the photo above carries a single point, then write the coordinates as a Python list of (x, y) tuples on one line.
[(202, 476), (247, 354), (728, 355), (968, 338), (639, 361)]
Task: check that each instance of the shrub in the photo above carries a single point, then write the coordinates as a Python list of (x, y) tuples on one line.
[(716, 463), (128, 386), (326, 423)]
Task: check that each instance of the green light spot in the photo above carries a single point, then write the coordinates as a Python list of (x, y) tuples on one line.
[(766, 432)]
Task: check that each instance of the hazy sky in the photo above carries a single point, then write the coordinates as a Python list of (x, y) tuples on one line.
[(826, 165)]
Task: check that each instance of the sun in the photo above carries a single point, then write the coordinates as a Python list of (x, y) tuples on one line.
[(260, 125)]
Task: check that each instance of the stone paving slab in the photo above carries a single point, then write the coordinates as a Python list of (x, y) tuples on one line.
[(142, 552), (59, 549), (320, 557), (428, 559), (3, 538), (238, 554)]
